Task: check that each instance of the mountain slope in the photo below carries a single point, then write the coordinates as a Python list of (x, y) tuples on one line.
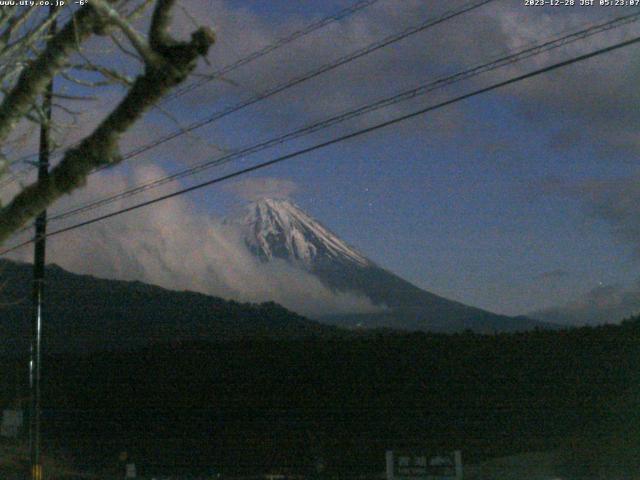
[(276, 228), (84, 313)]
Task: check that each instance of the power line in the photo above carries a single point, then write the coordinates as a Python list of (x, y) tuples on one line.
[(312, 27), (372, 47), (272, 47), (314, 127), (342, 138), (448, 15)]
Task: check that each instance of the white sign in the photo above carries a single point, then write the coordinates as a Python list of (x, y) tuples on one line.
[(11, 423), (131, 470), (424, 466)]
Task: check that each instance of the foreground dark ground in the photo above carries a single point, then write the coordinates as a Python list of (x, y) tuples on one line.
[(251, 406)]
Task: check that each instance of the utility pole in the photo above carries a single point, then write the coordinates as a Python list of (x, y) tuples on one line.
[(35, 363)]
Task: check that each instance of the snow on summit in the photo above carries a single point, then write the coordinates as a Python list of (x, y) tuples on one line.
[(277, 228)]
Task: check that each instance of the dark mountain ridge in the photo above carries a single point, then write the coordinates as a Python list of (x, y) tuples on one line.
[(84, 313)]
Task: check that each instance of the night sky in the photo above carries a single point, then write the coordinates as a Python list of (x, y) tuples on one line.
[(517, 201)]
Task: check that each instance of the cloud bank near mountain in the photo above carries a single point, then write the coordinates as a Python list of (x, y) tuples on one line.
[(602, 304), (173, 246), (616, 202)]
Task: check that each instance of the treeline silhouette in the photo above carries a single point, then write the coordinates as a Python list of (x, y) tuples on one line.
[(257, 405)]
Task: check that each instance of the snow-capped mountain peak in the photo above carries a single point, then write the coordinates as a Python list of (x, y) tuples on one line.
[(277, 228)]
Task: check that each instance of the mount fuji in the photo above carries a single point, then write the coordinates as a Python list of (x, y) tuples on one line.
[(279, 229)]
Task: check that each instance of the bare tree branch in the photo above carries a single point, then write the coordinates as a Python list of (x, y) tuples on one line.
[(137, 40), (125, 50), (159, 37), (172, 62), (36, 75)]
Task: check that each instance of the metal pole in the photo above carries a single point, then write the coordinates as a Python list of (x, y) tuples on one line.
[(35, 362)]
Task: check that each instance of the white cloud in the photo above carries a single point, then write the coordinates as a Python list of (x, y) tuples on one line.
[(470, 39), (171, 245), (602, 304), (616, 202)]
